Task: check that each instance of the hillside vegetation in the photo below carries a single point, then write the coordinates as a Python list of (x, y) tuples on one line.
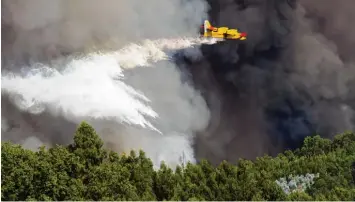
[(321, 170)]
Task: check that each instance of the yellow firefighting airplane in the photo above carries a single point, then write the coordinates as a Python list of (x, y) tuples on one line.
[(208, 31)]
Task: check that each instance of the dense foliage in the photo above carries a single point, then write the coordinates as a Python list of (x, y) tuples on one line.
[(86, 171)]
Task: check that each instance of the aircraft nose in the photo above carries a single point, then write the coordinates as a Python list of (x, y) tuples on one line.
[(243, 34)]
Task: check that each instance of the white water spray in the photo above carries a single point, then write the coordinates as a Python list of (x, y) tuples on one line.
[(161, 121)]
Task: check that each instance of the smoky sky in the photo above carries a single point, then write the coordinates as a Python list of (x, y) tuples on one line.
[(40, 30), (292, 78), (36, 33)]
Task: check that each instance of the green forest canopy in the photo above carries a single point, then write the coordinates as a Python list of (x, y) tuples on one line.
[(320, 170)]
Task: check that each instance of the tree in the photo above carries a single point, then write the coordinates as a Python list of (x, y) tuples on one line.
[(88, 146), (315, 146), (320, 170), (17, 172), (165, 182)]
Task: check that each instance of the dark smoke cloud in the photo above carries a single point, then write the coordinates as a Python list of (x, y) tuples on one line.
[(333, 19), (292, 78)]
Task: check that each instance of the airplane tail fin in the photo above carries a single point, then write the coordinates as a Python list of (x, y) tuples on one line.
[(207, 24), (207, 28)]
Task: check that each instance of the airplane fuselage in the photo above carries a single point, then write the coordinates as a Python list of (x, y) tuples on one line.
[(222, 32)]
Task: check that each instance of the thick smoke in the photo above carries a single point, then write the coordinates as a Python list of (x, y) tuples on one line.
[(39, 28), (333, 19), (43, 103), (292, 78)]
